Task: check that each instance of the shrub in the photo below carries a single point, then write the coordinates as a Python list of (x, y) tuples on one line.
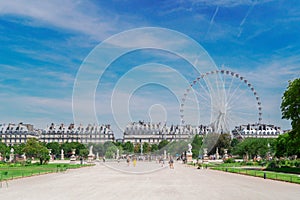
[(229, 160)]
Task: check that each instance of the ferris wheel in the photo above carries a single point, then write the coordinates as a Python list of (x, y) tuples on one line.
[(221, 99)]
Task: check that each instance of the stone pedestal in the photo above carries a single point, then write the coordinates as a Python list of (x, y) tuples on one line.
[(225, 154), (189, 157), (73, 157), (90, 158), (91, 155), (205, 156)]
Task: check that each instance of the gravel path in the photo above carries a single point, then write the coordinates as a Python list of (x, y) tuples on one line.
[(146, 181)]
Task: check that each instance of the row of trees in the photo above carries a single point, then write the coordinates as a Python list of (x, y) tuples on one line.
[(40, 150)]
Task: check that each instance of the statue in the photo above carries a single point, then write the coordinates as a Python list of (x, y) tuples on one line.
[(189, 148), (91, 150), (91, 155), (62, 154), (118, 154), (11, 155)]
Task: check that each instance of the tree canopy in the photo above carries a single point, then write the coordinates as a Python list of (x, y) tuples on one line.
[(33, 148), (289, 143), (290, 105)]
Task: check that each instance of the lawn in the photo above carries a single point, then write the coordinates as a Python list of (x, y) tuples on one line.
[(293, 178), (17, 170)]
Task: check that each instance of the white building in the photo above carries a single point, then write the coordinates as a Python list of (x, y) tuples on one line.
[(153, 133), (257, 131), (11, 134), (72, 133)]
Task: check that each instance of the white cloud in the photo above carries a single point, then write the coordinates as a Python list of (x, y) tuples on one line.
[(39, 111), (70, 15)]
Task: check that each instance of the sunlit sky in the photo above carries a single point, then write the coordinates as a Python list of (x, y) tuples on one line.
[(44, 43)]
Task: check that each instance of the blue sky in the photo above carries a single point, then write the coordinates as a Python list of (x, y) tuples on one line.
[(44, 43)]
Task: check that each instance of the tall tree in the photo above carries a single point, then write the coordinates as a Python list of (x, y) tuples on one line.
[(33, 148), (290, 108), (55, 148), (3, 149), (290, 105), (162, 144), (128, 147), (196, 144)]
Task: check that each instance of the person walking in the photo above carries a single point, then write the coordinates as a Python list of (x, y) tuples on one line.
[(171, 163), (134, 161), (128, 161)]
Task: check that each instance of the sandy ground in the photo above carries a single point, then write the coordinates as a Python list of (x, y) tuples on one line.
[(146, 181)]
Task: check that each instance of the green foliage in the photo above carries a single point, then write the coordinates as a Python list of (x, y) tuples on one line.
[(3, 149), (128, 147), (287, 145), (234, 142), (83, 153), (146, 147), (175, 147), (111, 151), (229, 160), (106, 145), (18, 148), (68, 146), (253, 147), (214, 141), (33, 148), (154, 147), (290, 105), (162, 144), (197, 144), (55, 148), (137, 148), (97, 148)]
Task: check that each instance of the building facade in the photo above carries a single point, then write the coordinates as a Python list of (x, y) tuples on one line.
[(153, 133), (257, 131), (71, 133), (11, 134)]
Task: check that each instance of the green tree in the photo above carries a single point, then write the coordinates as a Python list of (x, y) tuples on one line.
[(286, 145), (252, 147), (196, 144), (68, 146), (111, 151), (55, 148), (154, 147), (224, 142), (98, 148), (83, 152), (290, 106), (137, 148), (146, 147), (210, 142), (3, 149), (18, 148), (128, 147), (33, 148), (162, 144)]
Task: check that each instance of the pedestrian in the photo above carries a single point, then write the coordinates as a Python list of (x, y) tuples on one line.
[(171, 163), (128, 161), (134, 161)]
